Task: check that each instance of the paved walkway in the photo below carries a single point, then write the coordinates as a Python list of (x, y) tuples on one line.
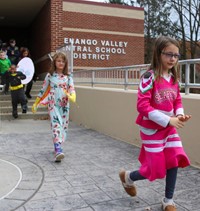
[(87, 179)]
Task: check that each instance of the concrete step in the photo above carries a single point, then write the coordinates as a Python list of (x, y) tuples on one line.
[(8, 102), (29, 115), (8, 109), (7, 98), (6, 106), (3, 97)]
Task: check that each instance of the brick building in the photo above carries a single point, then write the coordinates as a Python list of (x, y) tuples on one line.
[(104, 35)]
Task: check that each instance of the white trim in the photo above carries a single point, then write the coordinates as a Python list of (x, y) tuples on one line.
[(104, 10), (180, 111), (172, 144), (159, 117), (160, 141), (103, 32), (20, 178), (157, 149), (153, 142), (147, 131)]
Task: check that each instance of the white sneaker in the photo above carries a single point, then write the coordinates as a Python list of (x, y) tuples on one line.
[(59, 156), (169, 206)]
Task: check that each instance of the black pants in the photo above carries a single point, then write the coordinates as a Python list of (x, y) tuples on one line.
[(18, 96), (29, 87), (170, 180)]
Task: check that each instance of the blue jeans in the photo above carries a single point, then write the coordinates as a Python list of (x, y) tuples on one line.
[(171, 176)]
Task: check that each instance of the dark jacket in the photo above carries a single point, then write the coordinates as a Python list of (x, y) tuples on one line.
[(14, 58), (15, 78)]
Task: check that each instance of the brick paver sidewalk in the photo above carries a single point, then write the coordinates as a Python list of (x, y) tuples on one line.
[(87, 179)]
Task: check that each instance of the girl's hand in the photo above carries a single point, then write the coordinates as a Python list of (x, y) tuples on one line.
[(35, 105), (176, 122), (184, 118), (71, 97), (34, 108)]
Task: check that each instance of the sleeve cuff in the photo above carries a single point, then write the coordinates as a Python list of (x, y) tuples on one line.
[(179, 111), (159, 118)]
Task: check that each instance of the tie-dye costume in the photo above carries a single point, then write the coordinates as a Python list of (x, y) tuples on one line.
[(158, 100), (53, 95)]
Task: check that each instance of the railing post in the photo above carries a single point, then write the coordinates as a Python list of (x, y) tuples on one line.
[(194, 76), (187, 78), (126, 79), (72, 57), (93, 78)]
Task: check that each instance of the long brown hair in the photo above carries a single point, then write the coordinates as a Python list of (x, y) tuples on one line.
[(22, 50), (161, 43), (53, 63)]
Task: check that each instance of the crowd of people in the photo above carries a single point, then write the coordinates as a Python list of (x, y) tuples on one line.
[(10, 55), (57, 90)]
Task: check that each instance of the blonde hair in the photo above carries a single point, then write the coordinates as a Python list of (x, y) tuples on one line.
[(53, 63), (156, 65)]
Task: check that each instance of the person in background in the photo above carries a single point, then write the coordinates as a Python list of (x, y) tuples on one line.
[(24, 52), (57, 90), (3, 47), (17, 91), (1, 44), (13, 52), (30, 84), (4, 68), (161, 113)]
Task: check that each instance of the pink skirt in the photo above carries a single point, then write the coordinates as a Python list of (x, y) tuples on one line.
[(161, 151)]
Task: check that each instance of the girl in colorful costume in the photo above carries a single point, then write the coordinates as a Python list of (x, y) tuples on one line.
[(57, 90), (160, 115)]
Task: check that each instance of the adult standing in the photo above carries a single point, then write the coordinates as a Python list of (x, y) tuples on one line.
[(13, 52), (24, 52)]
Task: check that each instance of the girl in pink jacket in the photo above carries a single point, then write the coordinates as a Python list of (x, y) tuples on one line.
[(160, 115)]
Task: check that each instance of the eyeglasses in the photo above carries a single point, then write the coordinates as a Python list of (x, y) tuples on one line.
[(171, 55)]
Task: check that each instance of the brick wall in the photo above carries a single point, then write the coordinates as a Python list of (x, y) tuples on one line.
[(60, 19), (46, 33), (56, 24), (101, 26), (99, 22)]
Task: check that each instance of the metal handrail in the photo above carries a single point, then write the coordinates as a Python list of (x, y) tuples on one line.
[(187, 69), (128, 76)]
